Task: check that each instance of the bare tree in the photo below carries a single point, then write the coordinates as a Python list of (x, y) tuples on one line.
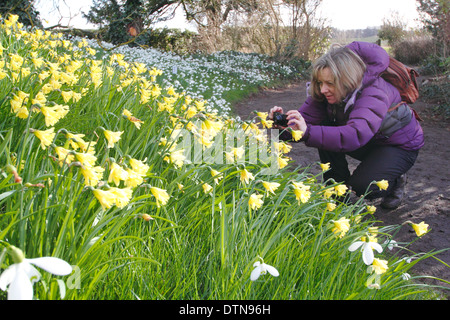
[(212, 16), (283, 29)]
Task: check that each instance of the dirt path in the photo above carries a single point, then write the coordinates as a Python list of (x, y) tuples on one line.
[(428, 188)]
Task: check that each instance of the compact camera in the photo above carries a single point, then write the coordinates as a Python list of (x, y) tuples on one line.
[(280, 119)]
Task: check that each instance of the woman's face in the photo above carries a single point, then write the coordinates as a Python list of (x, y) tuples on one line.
[(325, 80)]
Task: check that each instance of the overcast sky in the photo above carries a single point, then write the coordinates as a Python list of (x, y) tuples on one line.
[(341, 14)]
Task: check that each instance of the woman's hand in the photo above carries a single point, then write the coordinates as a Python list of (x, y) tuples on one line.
[(273, 110), (296, 121)]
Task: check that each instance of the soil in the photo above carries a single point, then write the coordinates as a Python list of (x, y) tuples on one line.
[(428, 186)]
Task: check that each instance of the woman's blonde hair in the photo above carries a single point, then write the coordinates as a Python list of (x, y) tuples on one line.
[(346, 67)]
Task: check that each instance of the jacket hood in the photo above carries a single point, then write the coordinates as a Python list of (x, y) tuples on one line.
[(375, 58)]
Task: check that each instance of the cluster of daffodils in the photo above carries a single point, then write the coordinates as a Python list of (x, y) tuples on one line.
[(369, 243), (55, 74)]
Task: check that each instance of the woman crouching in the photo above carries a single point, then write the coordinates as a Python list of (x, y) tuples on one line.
[(347, 113)]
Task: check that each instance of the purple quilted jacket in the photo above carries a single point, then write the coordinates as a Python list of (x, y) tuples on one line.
[(368, 111)]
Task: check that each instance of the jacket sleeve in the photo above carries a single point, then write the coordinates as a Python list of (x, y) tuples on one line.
[(314, 112), (364, 122)]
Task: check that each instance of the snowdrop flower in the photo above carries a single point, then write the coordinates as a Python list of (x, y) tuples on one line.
[(391, 244), (18, 278), (406, 276), (262, 268), (367, 248)]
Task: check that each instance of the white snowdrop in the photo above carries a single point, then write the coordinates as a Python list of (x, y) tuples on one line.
[(18, 278), (262, 268)]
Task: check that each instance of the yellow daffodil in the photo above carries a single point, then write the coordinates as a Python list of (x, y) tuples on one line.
[(122, 196), (325, 166), (106, 198), (76, 141), (139, 166), (296, 135), (270, 186), (331, 206), (262, 115), (205, 140), (340, 189), (112, 137), (300, 185), (67, 95), (3, 74), (39, 99), (133, 178), (64, 156), (171, 91), (87, 159), (177, 157), (161, 195), (371, 209), (238, 152), (54, 114), (282, 162), (92, 175), (255, 201), (137, 122), (282, 147), (341, 226), (212, 127), (22, 113), (207, 188), (246, 176), (38, 62), (16, 62), (216, 176), (420, 228), (373, 231), (302, 194), (190, 112), (117, 174), (267, 123), (45, 136), (382, 184), (379, 266)]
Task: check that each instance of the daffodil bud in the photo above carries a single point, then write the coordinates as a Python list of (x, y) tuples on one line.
[(16, 254), (146, 217), (11, 169)]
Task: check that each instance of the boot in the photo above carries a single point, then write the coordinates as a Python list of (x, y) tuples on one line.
[(394, 199)]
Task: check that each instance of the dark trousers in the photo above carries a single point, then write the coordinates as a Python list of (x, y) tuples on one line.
[(378, 162)]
